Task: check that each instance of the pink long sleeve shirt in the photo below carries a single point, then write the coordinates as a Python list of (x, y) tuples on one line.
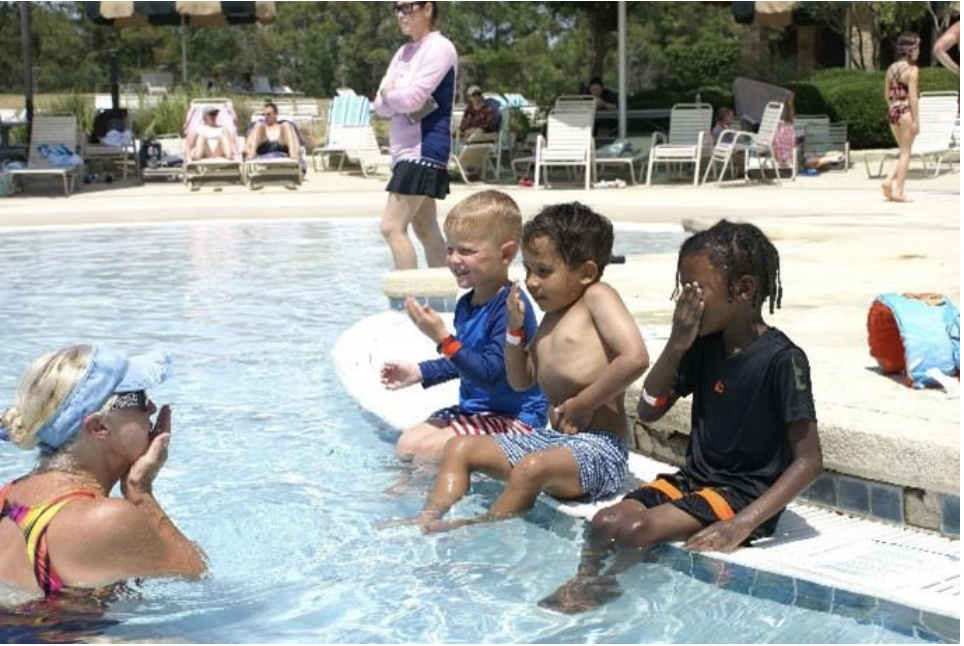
[(418, 70)]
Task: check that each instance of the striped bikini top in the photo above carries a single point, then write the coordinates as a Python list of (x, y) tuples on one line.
[(33, 521)]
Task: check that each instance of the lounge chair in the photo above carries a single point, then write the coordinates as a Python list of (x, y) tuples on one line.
[(568, 142), (169, 165), (358, 145), (759, 145), (622, 154), (473, 160), (276, 167), (53, 151), (112, 140), (825, 144), (938, 120), (345, 111), (688, 141), (217, 170)]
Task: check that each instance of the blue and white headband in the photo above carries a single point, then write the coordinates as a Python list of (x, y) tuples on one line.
[(108, 373)]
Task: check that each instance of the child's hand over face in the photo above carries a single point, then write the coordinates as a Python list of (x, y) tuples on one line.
[(686, 317), (571, 417), (397, 375), (516, 307), (427, 320)]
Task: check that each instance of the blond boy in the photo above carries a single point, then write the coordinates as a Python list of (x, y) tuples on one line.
[(482, 236), (586, 352)]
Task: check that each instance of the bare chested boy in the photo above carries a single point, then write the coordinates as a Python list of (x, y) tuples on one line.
[(586, 352)]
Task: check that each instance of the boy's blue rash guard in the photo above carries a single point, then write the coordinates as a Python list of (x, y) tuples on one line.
[(480, 363)]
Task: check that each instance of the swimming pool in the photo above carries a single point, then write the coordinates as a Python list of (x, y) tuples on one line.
[(279, 475)]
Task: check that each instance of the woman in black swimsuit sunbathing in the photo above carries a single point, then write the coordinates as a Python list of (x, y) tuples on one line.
[(272, 136)]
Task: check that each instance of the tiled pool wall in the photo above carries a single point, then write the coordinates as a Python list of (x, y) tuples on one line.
[(939, 512), (788, 590)]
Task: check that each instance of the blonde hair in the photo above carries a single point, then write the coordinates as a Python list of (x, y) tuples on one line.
[(491, 210), (42, 389)]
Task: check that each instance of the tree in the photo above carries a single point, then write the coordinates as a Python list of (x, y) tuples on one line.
[(866, 24)]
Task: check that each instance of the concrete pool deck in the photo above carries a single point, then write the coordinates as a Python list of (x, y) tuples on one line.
[(840, 244)]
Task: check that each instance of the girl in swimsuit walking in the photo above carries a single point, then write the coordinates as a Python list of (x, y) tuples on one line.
[(900, 91)]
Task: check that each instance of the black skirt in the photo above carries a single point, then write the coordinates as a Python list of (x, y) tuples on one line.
[(414, 178)]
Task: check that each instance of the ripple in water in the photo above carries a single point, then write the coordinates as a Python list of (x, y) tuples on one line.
[(278, 474)]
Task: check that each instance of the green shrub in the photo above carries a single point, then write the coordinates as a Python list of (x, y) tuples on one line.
[(79, 105), (857, 98), (166, 117), (519, 123)]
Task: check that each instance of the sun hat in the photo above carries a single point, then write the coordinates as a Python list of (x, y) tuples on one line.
[(210, 109), (473, 90), (108, 372)]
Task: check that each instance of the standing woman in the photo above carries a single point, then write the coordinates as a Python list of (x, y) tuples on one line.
[(417, 94), (900, 90)]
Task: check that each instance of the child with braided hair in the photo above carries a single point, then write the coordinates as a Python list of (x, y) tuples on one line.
[(753, 443)]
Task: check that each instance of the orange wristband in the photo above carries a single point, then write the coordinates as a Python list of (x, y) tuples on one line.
[(449, 346)]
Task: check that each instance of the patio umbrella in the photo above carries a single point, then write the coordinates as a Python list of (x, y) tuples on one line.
[(193, 14), (773, 14), (183, 14)]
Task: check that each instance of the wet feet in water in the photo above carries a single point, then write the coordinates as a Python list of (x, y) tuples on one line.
[(582, 595)]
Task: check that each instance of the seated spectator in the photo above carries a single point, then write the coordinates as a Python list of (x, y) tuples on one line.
[(785, 141), (724, 121), (271, 137), (210, 140), (87, 409), (606, 99), (480, 118)]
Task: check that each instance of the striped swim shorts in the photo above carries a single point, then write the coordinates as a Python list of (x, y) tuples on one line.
[(602, 457), (480, 423)]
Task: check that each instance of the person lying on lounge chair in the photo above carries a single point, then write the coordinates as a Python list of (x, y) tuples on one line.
[(272, 136), (210, 140)]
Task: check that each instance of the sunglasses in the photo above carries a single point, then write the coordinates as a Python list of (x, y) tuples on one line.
[(137, 399), (408, 8)]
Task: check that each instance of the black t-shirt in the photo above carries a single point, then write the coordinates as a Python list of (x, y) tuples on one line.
[(742, 406)]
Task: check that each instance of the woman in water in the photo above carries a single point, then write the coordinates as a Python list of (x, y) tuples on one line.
[(87, 410)]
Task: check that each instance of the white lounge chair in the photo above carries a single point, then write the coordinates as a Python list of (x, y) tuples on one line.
[(823, 141), (218, 170), (568, 142), (688, 141), (49, 136), (288, 171), (938, 118), (173, 150), (758, 144), (359, 145), (122, 151), (473, 160), (345, 111)]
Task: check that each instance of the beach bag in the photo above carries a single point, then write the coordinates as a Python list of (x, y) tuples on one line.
[(150, 154), (911, 334)]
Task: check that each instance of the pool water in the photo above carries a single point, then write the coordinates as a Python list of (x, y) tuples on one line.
[(278, 475)]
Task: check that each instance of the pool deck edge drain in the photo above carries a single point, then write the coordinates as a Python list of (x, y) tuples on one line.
[(911, 569)]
